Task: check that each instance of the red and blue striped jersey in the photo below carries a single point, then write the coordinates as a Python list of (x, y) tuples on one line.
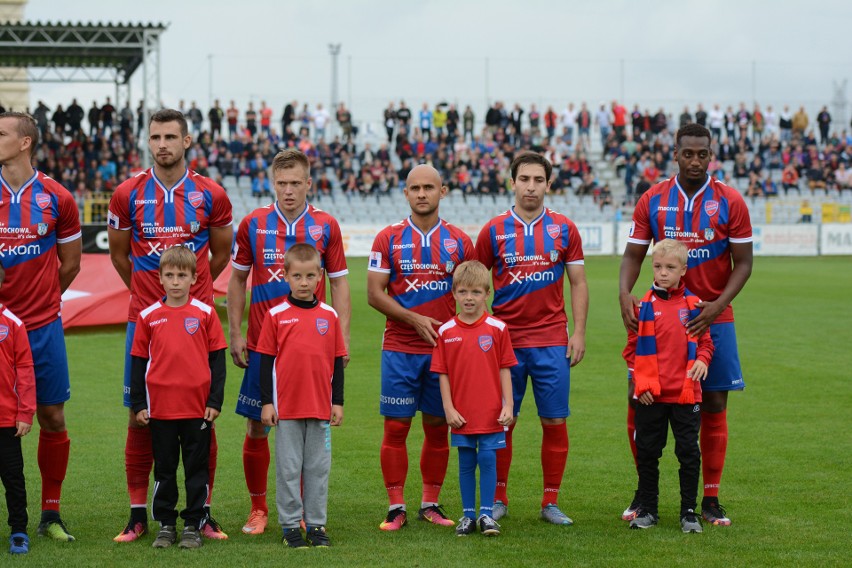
[(715, 217), (160, 218), (420, 268), (33, 220), (527, 263), (262, 239)]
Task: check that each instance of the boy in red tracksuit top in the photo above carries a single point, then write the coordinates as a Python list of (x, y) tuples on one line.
[(17, 406), (667, 366)]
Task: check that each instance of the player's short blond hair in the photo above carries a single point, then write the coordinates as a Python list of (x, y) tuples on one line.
[(671, 247), (301, 252), (179, 257), (290, 158), (472, 274)]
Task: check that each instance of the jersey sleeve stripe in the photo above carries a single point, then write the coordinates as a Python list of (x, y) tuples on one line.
[(639, 241), (382, 270), (339, 273), (12, 317), (279, 308), (576, 262), (74, 237), (242, 267), (744, 240), (201, 306)]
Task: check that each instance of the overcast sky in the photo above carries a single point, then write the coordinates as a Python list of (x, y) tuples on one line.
[(651, 52)]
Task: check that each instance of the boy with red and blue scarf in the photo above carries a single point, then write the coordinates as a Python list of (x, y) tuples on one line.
[(667, 366)]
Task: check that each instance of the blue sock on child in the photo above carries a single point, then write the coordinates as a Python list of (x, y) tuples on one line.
[(467, 481), (487, 480)]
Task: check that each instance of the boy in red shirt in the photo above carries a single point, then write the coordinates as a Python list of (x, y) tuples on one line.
[(667, 366), (473, 355), (176, 388), (17, 407), (301, 389)]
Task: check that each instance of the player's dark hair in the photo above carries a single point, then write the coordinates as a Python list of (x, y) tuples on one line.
[(530, 158), (27, 127), (290, 158), (301, 252), (692, 129), (180, 257), (472, 274), (170, 115)]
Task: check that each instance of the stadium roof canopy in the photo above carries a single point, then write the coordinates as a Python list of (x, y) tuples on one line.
[(81, 52)]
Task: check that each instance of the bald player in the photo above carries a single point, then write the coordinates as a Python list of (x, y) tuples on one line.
[(409, 281)]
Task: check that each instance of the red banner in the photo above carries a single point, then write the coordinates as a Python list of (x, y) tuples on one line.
[(99, 297)]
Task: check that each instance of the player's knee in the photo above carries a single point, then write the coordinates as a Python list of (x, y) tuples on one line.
[(714, 402), (255, 429), (551, 421), (432, 420), (51, 418)]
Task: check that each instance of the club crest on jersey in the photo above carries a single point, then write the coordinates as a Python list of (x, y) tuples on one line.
[(322, 326), (42, 229), (315, 231), (486, 342), (450, 266), (683, 314), (553, 231), (191, 325), (194, 226), (709, 233), (195, 198), (43, 200), (4, 332), (554, 255), (450, 246), (711, 207)]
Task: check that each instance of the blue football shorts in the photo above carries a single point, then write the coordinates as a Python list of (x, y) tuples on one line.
[(248, 401), (128, 345), (408, 386), (490, 441), (550, 372), (725, 372), (50, 362)]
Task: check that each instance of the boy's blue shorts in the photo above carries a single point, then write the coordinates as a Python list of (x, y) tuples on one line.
[(408, 386), (248, 401), (50, 362), (491, 441), (725, 372), (550, 372)]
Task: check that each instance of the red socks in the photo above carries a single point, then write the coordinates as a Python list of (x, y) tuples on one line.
[(53, 448), (256, 468), (554, 454), (714, 444), (433, 460), (138, 461), (394, 458), (211, 465), (631, 431), (504, 461)]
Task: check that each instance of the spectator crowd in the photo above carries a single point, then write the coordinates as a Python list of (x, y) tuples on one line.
[(760, 151)]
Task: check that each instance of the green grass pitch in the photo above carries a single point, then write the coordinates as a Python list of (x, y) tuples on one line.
[(786, 484)]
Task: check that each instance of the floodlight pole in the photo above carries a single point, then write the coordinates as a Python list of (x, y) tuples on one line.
[(334, 51)]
